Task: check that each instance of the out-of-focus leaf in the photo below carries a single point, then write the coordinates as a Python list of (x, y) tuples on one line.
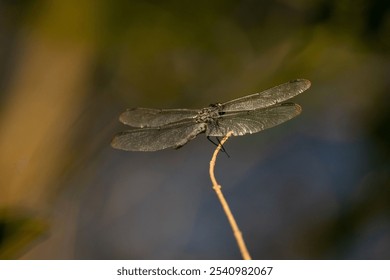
[(19, 232)]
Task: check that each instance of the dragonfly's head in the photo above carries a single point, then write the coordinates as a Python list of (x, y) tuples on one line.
[(216, 105)]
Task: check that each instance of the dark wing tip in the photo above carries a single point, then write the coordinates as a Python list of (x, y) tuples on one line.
[(298, 108), (115, 142), (303, 82), (123, 116)]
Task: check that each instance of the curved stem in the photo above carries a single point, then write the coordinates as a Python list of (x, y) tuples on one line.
[(217, 188)]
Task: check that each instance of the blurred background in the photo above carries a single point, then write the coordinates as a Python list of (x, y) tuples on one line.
[(316, 187)]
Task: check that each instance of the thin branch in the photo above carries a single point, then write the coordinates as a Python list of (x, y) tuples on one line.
[(217, 188)]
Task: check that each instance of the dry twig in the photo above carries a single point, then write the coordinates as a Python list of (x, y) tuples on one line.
[(217, 188)]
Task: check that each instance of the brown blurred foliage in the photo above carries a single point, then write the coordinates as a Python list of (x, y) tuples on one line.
[(69, 67)]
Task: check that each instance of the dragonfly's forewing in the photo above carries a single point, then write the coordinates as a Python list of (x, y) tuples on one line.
[(144, 117), (268, 97), (248, 122), (154, 139), (155, 129)]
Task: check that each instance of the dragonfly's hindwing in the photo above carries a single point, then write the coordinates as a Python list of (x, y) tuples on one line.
[(154, 139), (158, 129), (249, 122)]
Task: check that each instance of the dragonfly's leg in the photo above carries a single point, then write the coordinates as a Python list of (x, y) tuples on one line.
[(209, 138), (219, 142), (222, 147)]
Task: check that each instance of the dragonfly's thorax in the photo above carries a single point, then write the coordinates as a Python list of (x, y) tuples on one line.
[(209, 114)]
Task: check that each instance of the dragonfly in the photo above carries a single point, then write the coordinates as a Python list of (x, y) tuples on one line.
[(158, 129)]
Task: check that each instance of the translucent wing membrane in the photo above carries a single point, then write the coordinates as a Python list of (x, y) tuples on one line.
[(144, 117), (248, 122), (154, 139), (155, 129), (268, 97)]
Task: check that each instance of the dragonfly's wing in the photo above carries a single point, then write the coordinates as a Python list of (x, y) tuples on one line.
[(154, 139), (268, 97), (144, 117), (245, 122)]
